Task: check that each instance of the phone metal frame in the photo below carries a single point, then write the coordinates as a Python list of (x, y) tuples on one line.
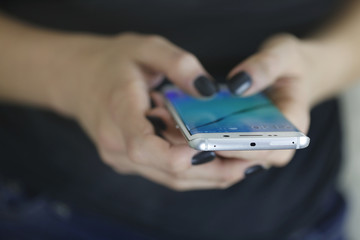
[(233, 141)]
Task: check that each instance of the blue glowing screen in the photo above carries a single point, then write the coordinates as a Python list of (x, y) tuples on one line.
[(228, 113)]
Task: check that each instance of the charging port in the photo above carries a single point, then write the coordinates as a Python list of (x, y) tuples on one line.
[(253, 144)]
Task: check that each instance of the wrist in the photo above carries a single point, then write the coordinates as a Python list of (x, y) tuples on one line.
[(74, 65), (331, 64)]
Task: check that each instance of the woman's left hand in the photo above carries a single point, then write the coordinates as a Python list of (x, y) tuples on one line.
[(284, 67)]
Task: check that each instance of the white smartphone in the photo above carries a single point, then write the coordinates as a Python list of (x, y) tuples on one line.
[(227, 122)]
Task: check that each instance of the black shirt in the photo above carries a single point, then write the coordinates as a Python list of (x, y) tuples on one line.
[(53, 155)]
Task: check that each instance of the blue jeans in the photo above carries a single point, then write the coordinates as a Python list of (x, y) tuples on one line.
[(38, 218)]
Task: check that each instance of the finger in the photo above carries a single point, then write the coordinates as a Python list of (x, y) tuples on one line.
[(288, 96), (143, 146), (158, 99), (172, 181), (162, 113), (178, 183), (108, 136), (217, 174), (179, 66), (277, 59), (158, 125), (277, 158), (151, 150), (171, 133), (221, 170)]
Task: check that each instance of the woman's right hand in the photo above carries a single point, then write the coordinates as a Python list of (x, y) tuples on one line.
[(107, 91)]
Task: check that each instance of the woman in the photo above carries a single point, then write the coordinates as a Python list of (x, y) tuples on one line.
[(94, 64)]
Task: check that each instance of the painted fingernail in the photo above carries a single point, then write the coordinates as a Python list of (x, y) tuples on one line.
[(254, 170), (205, 86), (203, 157), (157, 123), (239, 83)]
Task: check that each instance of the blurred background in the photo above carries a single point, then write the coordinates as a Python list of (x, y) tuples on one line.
[(350, 176)]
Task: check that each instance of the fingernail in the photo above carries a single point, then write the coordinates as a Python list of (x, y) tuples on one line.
[(202, 157), (239, 83), (205, 86), (254, 170), (157, 123)]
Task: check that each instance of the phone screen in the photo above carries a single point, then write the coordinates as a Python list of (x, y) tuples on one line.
[(228, 113)]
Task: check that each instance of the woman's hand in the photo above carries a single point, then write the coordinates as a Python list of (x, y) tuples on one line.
[(286, 68), (109, 97)]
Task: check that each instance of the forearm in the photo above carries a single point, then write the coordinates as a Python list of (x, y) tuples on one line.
[(35, 63), (338, 50)]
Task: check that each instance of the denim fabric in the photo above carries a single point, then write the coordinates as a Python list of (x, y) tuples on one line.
[(22, 217), (27, 218)]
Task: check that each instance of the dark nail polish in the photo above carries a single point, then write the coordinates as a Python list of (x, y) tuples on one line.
[(239, 83), (205, 86), (254, 170), (202, 157), (157, 123)]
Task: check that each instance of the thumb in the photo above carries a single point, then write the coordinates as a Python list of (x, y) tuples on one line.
[(277, 59)]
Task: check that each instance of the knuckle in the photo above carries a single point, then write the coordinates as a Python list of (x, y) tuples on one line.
[(126, 35), (116, 162), (269, 62), (283, 38), (175, 175), (146, 128), (280, 158), (176, 166), (280, 162), (105, 157), (228, 184), (270, 57), (264, 154), (183, 61), (155, 39), (178, 186), (292, 46), (225, 185), (150, 41), (286, 37), (124, 171), (291, 40), (108, 141), (134, 153), (227, 177)]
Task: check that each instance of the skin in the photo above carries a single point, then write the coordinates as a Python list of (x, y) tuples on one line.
[(104, 84)]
